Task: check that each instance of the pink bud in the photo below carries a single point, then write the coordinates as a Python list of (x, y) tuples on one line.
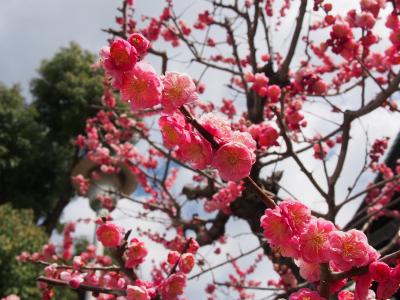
[(274, 92), (140, 43), (193, 246), (233, 161), (265, 57), (75, 282), (134, 292), (173, 257), (262, 91), (110, 235), (319, 87), (186, 263), (65, 275)]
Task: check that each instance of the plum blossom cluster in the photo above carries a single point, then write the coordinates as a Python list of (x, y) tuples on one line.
[(68, 244), (224, 197), (139, 84), (97, 272), (265, 135), (292, 229), (260, 84), (379, 197), (112, 235), (378, 149), (235, 150), (108, 145), (240, 278)]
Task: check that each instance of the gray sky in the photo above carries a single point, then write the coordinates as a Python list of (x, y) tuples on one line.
[(31, 30)]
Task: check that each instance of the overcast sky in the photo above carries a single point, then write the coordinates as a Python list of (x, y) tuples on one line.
[(32, 30)]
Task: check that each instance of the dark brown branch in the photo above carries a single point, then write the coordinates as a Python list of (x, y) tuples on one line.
[(293, 154), (118, 255), (207, 236), (164, 58), (82, 287), (198, 127), (283, 72), (325, 281), (237, 286), (265, 196)]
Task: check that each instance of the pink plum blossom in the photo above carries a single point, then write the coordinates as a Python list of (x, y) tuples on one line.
[(135, 254), (314, 243), (276, 228), (172, 287), (305, 294), (350, 249), (379, 271), (140, 43), (141, 87), (224, 197), (278, 231), (268, 136), (134, 292), (11, 297), (186, 262), (110, 234), (387, 288), (233, 161), (345, 295), (173, 257), (173, 130), (297, 214), (246, 139), (178, 89), (260, 83), (196, 151), (75, 281), (120, 57), (193, 246), (264, 134), (363, 282), (309, 271), (216, 125), (273, 93)]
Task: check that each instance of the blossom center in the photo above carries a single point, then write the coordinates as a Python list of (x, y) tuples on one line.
[(139, 85), (232, 159), (175, 288), (297, 217), (120, 56), (175, 92), (171, 133), (107, 236), (348, 249), (317, 240)]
